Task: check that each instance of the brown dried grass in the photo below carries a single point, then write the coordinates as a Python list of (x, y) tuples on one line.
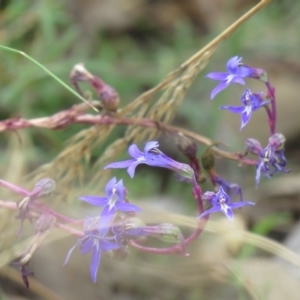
[(159, 103)]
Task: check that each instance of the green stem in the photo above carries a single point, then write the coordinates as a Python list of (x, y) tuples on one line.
[(49, 73)]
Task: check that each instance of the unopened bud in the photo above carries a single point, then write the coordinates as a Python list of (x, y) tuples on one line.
[(135, 228), (44, 186), (108, 96), (134, 223), (208, 160), (170, 233), (187, 147), (277, 141), (261, 75), (253, 146), (80, 73), (165, 232)]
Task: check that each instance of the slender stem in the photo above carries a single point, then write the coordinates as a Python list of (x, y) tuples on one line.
[(40, 206), (8, 204), (197, 192), (273, 116), (176, 248), (13, 206), (36, 204), (14, 188), (64, 119), (71, 230), (49, 73), (270, 118)]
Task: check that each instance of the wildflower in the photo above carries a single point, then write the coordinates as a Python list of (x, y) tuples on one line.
[(251, 102), (272, 158), (236, 72), (221, 202), (151, 156), (229, 188), (93, 241), (112, 202)]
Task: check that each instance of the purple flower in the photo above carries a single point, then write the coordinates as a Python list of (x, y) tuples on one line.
[(221, 202), (251, 102), (229, 188), (112, 203), (236, 72), (272, 159), (95, 242), (151, 156)]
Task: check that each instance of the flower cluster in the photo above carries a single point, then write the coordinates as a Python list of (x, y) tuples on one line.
[(117, 225), (270, 159), (237, 71)]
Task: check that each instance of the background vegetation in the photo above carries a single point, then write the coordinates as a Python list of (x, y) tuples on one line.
[(132, 45)]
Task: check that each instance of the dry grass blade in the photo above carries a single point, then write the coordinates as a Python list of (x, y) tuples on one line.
[(159, 103), (245, 237), (67, 167)]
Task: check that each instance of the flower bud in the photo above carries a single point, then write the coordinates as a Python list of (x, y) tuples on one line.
[(187, 147), (135, 228), (253, 146), (276, 141), (260, 74), (165, 232), (44, 186), (169, 233), (80, 73), (107, 94), (208, 159)]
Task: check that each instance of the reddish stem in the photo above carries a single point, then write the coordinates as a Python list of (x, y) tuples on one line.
[(64, 119), (176, 248), (273, 113), (14, 188)]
